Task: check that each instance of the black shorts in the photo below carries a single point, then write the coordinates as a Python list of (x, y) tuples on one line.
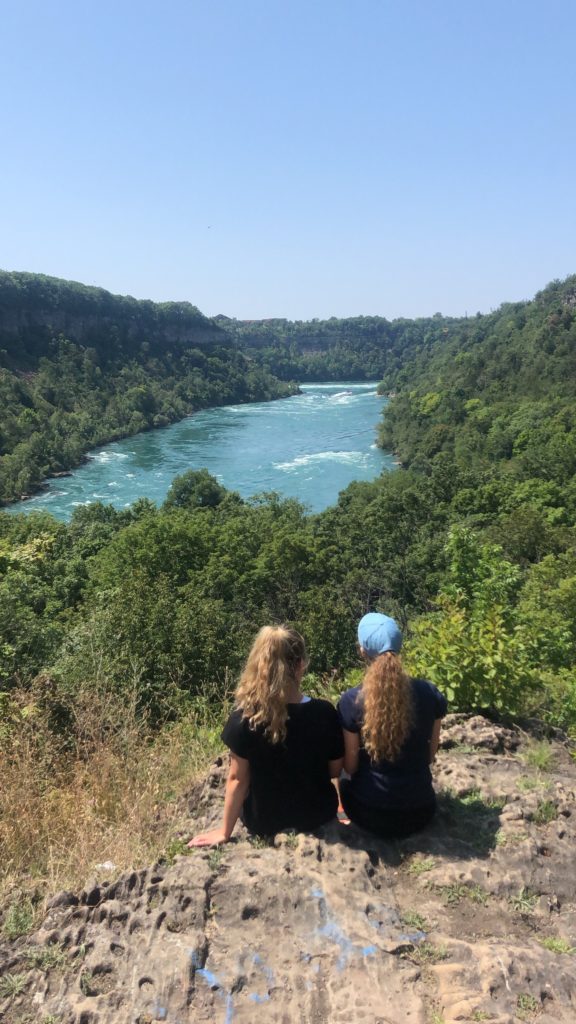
[(387, 823)]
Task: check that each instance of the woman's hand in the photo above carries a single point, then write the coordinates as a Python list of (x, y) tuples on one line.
[(215, 837), (237, 785)]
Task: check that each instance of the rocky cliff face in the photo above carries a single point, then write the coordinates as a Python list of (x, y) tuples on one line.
[(474, 919), (34, 309)]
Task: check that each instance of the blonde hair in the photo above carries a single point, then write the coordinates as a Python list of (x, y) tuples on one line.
[(386, 697), (268, 677)]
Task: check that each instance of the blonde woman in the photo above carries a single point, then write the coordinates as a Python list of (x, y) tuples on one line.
[(285, 747), (391, 727)]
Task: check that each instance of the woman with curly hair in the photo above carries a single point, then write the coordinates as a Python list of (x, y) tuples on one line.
[(391, 726), (285, 747)]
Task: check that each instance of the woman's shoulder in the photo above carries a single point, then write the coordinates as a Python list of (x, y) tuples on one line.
[(320, 706), (350, 696), (430, 696), (350, 709)]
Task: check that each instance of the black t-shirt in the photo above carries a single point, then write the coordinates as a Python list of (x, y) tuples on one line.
[(406, 782), (290, 783)]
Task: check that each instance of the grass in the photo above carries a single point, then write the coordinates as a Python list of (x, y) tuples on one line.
[(540, 755), (421, 865), (509, 838), (176, 848), (545, 812), (12, 985), (46, 958), (528, 783), (525, 901), (116, 791), (19, 919), (426, 953), (557, 945), (412, 919), (260, 842), (471, 818), (215, 858), (437, 1018), (87, 983), (455, 893), (527, 1006)]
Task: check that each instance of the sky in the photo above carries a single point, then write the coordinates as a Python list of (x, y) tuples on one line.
[(300, 159)]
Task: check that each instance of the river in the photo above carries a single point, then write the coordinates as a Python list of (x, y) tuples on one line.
[(309, 447)]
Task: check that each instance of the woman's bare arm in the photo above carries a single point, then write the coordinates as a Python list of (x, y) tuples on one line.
[(237, 786)]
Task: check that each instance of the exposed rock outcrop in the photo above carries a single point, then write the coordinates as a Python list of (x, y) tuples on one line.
[(473, 919)]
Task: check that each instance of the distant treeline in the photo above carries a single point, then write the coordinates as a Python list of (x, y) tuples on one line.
[(356, 348)]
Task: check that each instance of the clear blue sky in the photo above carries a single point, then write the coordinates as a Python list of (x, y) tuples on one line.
[(300, 158)]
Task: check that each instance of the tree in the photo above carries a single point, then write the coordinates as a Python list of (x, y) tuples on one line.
[(196, 488)]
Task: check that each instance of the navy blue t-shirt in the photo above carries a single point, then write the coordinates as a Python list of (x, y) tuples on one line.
[(406, 782), (290, 783)]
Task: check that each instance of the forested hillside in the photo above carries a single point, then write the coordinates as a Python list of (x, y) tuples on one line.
[(79, 367), (357, 348)]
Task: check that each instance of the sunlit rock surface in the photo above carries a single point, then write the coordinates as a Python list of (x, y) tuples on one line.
[(473, 919)]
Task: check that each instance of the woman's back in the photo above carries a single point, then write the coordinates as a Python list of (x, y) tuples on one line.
[(405, 781), (284, 747), (290, 783)]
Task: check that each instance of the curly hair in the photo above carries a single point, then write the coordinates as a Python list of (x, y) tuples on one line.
[(386, 697), (268, 676)]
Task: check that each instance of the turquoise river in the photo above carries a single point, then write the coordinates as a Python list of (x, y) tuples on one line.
[(309, 447)]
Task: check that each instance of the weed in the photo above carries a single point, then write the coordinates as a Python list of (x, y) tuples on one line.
[(557, 945), (87, 983), (291, 841), (545, 812), (421, 865), (478, 895), (176, 848), (46, 958), (452, 893), (215, 858), (540, 756), (427, 953), (528, 783), (508, 838), (12, 985), (463, 748), (471, 819), (458, 891), (526, 1006), (437, 1018), (480, 1015), (414, 920), (525, 901), (260, 842), (19, 918)]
